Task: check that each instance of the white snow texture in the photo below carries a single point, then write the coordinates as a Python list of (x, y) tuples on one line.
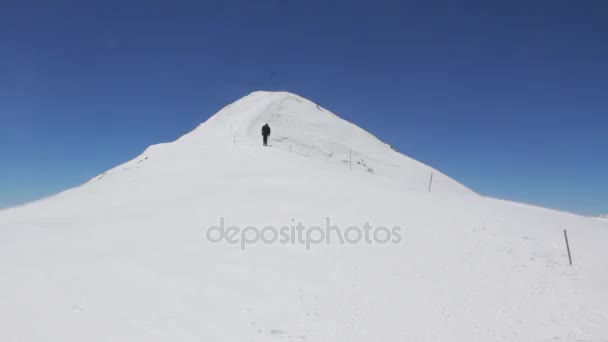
[(125, 256)]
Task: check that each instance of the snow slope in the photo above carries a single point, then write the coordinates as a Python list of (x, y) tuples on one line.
[(125, 256)]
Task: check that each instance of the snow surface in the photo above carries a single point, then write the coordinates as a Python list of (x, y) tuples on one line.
[(125, 257)]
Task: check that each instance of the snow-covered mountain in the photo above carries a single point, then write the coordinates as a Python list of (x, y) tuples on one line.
[(127, 256)]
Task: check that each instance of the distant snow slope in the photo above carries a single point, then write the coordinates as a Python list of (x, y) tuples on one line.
[(125, 257)]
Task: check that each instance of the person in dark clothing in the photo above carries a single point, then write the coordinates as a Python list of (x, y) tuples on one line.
[(265, 133)]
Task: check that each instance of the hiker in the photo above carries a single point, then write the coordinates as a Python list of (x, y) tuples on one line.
[(265, 133)]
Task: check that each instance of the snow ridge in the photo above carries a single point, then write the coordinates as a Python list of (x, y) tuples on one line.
[(305, 129)]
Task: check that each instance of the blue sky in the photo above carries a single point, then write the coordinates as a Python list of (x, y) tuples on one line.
[(508, 97)]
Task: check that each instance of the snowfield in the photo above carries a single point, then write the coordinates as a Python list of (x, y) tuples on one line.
[(125, 257)]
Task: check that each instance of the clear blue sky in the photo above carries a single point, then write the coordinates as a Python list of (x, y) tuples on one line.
[(508, 97)]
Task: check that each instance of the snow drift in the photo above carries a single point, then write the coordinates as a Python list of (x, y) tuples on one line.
[(125, 256)]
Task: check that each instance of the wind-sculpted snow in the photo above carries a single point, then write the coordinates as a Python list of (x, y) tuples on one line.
[(127, 257)]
